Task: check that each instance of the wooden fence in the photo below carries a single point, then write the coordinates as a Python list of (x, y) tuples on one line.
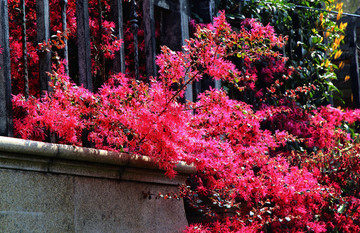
[(174, 30), (350, 57), (174, 25), (5, 74)]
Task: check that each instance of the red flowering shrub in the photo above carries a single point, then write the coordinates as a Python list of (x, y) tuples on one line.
[(274, 167), (104, 46)]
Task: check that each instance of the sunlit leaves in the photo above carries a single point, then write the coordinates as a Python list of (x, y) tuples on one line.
[(270, 166)]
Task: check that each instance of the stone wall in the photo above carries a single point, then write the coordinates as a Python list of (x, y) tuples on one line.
[(57, 188)]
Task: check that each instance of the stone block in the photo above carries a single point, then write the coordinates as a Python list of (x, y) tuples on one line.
[(113, 206), (55, 188), (35, 202)]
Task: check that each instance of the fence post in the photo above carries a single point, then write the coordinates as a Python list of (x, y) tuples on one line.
[(175, 29), (354, 64), (24, 46), (63, 4), (83, 43), (43, 35), (117, 14), (5, 74), (150, 43), (298, 34), (205, 10), (134, 28), (184, 24)]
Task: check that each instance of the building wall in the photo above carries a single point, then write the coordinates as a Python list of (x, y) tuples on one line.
[(53, 194)]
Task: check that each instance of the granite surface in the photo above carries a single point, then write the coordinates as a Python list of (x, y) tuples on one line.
[(54, 188), (42, 202)]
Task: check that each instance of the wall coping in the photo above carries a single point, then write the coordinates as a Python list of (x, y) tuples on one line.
[(49, 187), (82, 154)]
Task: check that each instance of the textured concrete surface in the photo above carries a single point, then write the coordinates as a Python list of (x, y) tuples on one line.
[(121, 207), (59, 152), (42, 192), (43, 202), (35, 202)]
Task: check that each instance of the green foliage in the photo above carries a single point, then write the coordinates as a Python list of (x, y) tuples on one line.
[(313, 39)]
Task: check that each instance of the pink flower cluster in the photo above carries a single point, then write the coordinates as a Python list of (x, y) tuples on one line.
[(270, 168), (101, 45)]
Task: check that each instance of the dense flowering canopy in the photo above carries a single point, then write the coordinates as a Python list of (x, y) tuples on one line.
[(273, 167)]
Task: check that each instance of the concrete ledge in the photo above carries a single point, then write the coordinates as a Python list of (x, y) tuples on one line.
[(60, 151), (64, 159), (59, 188)]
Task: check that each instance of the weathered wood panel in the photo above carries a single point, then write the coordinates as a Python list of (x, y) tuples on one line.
[(24, 46), (134, 28), (205, 10), (43, 35), (83, 42), (175, 29), (150, 41), (354, 66), (63, 4), (5, 73), (117, 15)]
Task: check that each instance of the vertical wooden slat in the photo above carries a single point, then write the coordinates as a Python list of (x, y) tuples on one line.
[(354, 65), (134, 28), (196, 89), (175, 29), (150, 42), (5, 74), (298, 34), (24, 46), (184, 7), (84, 53), (117, 15), (63, 4), (43, 34), (83, 42), (205, 9), (100, 54), (217, 83), (289, 48)]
